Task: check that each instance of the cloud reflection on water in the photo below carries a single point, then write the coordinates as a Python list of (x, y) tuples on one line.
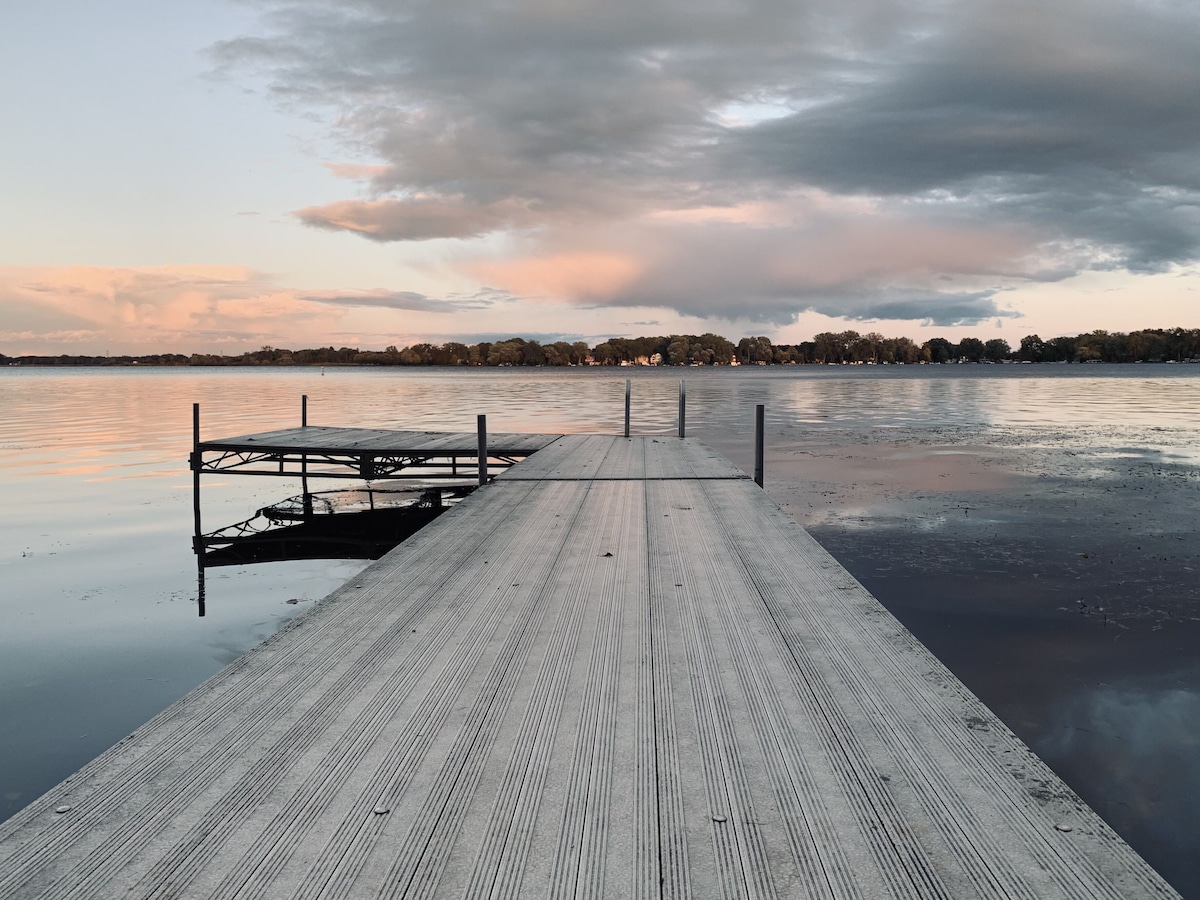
[(1145, 740)]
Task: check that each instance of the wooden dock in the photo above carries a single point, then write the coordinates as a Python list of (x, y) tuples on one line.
[(618, 670)]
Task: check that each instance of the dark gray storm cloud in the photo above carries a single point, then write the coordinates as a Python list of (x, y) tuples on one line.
[(1079, 119), (1050, 138)]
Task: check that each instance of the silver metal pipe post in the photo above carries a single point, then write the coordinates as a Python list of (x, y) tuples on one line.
[(759, 443)]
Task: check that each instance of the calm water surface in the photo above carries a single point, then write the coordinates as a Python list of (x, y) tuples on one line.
[(1034, 525)]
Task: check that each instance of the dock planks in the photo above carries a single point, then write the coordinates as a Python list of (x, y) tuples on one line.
[(619, 670)]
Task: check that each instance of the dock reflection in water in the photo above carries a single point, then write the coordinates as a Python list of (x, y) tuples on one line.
[(362, 523)]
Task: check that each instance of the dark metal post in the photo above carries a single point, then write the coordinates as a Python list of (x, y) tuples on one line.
[(758, 444), (195, 463), (628, 389), (307, 497), (483, 454), (682, 407), (198, 539)]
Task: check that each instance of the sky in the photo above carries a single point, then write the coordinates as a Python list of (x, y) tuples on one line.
[(217, 176)]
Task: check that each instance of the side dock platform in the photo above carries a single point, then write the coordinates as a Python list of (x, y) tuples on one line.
[(616, 670)]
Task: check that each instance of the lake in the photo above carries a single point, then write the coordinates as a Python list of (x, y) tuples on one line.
[(1035, 526)]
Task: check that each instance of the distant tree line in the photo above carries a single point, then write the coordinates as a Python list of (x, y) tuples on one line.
[(843, 347)]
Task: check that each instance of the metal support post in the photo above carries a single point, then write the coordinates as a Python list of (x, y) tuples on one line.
[(682, 407), (198, 539), (628, 389), (759, 443), (483, 454), (307, 497), (195, 465)]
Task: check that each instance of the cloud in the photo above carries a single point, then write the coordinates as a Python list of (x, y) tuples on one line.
[(399, 300), (184, 308), (542, 337), (54, 337), (1075, 119), (758, 159), (581, 274), (836, 261), (156, 308), (355, 172), (419, 219)]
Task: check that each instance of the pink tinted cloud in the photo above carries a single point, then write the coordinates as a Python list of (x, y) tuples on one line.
[(761, 257), (577, 275), (156, 309)]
